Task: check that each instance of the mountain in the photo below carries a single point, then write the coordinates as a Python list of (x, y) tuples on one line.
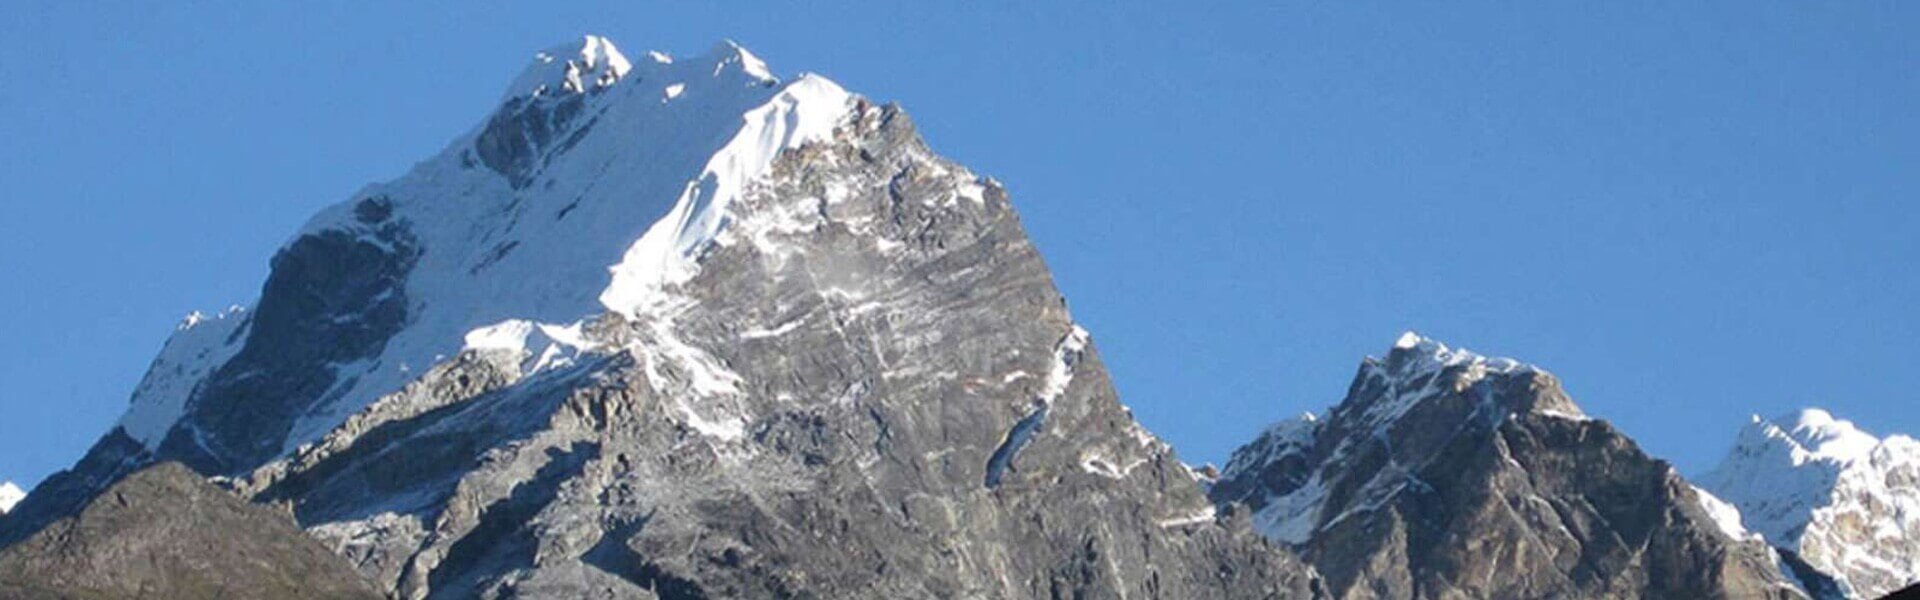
[(1844, 501), (677, 328), (164, 532), (1447, 474)]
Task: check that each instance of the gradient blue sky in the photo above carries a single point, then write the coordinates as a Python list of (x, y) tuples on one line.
[(1689, 211)]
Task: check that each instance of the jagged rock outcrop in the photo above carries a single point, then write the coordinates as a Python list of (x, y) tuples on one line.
[(1845, 502), (164, 532), (1445, 474), (678, 329)]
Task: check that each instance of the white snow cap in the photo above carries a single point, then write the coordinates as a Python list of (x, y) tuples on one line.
[(1822, 436), (623, 211), (1429, 354), (1408, 341), (10, 495), (589, 64)]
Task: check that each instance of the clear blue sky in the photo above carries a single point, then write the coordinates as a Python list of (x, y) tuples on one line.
[(1689, 213)]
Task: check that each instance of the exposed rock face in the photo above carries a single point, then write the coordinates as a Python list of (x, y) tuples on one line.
[(1445, 474), (1845, 502), (676, 329), (884, 341), (164, 532), (332, 298)]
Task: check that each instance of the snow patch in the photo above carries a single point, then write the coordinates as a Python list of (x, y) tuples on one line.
[(199, 345), (777, 331), (1724, 515), (1294, 517), (1205, 514), (541, 346), (1097, 463), (1547, 412), (10, 496), (1066, 355), (1408, 341), (807, 110)]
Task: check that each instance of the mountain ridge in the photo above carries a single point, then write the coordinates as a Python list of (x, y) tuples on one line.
[(679, 328)]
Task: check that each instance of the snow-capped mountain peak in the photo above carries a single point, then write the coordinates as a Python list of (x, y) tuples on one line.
[(596, 185), (1847, 502)]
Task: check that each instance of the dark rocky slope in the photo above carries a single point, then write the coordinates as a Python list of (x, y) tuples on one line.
[(164, 532)]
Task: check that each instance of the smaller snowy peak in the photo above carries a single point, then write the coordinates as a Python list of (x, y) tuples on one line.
[(1847, 502), (589, 64), (10, 495)]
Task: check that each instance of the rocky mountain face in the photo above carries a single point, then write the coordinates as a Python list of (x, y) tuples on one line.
[(164, 532), (1845, 502), (1445, 474), (676, 328)]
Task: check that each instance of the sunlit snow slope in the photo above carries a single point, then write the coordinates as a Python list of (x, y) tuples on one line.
[(1846, 501), (599, 180)]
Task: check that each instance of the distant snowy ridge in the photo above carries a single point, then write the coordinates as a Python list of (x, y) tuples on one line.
[(1847, 502), (10, 495)]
